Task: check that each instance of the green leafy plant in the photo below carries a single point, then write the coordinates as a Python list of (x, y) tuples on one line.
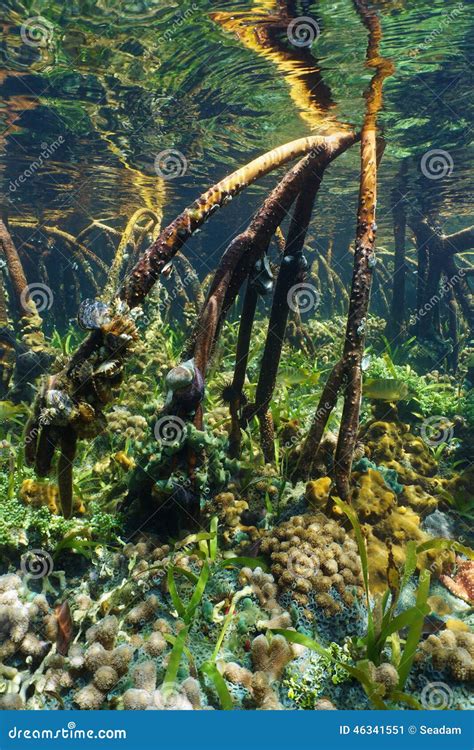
[(396, 355), (207, 549), (382, 620)]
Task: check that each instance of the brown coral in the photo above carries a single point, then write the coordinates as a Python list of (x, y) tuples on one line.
[(399, 527), (272, 656), (311, 553), (418, 499), (263, 586), (452, 651)]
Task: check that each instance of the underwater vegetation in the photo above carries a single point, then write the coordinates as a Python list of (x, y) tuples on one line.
[(239, 480)]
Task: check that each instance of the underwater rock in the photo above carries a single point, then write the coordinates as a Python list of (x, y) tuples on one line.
[(439, 524)]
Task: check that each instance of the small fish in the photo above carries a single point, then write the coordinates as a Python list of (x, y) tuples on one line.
[(300, 377), (8, 410), (385, 389)]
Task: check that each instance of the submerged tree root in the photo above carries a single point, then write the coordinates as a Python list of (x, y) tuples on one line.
[(86, 383), (236, 265), (347, 374), (171, 239)]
